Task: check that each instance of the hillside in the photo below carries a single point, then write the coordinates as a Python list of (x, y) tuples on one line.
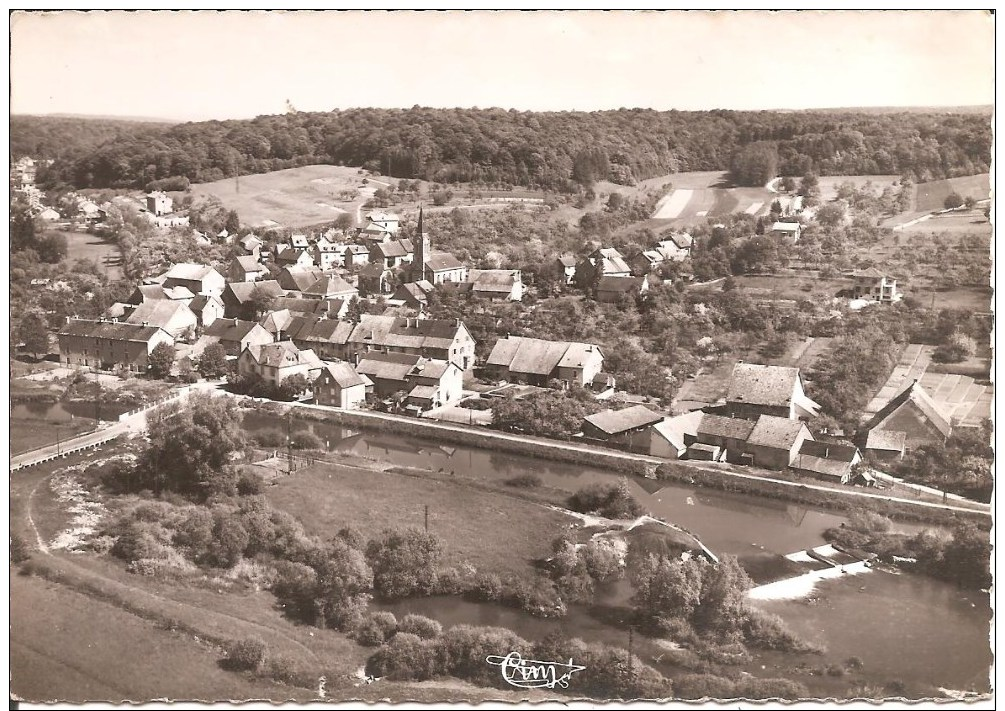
[(66, 138), (551, 150)]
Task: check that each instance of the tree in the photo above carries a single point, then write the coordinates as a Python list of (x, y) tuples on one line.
[(51, 247), (952, 201), (664, 586), (232, 223), (442, 197), (34, 334), (189, 451), (969, 202), (755, 164), (259, 302), (344, 221), (213, 361), (809, 186), (354, 312), (404, 562), (293, 386), (161, 360)]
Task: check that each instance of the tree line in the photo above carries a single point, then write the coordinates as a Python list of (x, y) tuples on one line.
[(551, 150)]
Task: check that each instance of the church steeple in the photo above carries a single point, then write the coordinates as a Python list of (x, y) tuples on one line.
[(421, 252)]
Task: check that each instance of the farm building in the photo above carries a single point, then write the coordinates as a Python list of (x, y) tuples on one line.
[(627, 428), (886, 445), (536, 361), (105, 345), (789, 230), (246, 268), (173, 316), (670, 437), (829, 461), (339, 385), (756, 390), (197, 278), (275, 362), (240, 299), (445, 339), (414, 294), (612, 289), (914, 413)]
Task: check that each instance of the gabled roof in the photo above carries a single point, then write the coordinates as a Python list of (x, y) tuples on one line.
[(330, 285), (299, 278), (300, 306), (312, 329), (111, 331), (622, 284), (829, 450), (343, 374), (567, 261), (250, 241), (915, 395), (356, 249), (442, 261), (189, 272), (229, 329), (433, 368), (681, 240), (200, 302), (299, 241), (870, 273), (539, 357), (775, 432), (886, 440), (730, 427), (159, 312), (276, 320), (249, 264), (292, 256), (785, 226), (494, 280), (393, 248), (283, 354), (615, 422), (243, 290), (770, 385), (406, 332), (423, 392), (378, 216), (387, 366), (673, 429), (416, 290)]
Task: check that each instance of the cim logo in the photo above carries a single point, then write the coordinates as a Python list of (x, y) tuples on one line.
[(532, 673)]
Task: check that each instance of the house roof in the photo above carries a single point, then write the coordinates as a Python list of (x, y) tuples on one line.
[(673, 429), (243, 290), (299, 278), (785, 226), (292, 256), (829, 450), (615, 422), (406, 332), (681, 240), (539, 357), (374, 270), (443, 261), (200, 302), (870, 273), (250, 241), (189, 272), (276, 321), (283, 354), (775, 432), (249, 264), (416, 290), (119, 310), (300, 306), (299, 241), (330, 285), (393, 248), (762, 384), (886, 440), (916, 395), (312, 329), (356, 249), (729, 427), (378, 216), (229, 329), (567, 261), (159, 312), (387, 366), (431, 368), (620, 284), (110, 331), (423, 392), (343, 374), (494, 280)]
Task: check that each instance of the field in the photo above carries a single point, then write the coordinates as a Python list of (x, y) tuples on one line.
[(26, 435), (931, 196), (707, 194), (956, 222), (829, 183), (328, 496), (81, 245)]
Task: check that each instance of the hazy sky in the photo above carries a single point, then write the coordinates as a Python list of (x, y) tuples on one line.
[(198, 65)]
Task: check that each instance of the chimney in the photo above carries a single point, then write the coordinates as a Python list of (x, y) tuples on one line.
[(146, 323)]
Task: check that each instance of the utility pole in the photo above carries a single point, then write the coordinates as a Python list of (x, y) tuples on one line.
[(57, 439), (427, 518), (97, 400), (289, 442)]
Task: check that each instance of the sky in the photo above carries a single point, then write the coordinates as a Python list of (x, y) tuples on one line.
[(204, 65)]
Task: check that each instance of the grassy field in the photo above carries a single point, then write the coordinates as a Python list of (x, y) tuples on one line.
[(29, 434), (327, 496), (931, 196), (698, 195), (81, 245), (829, 183), (962, 222)]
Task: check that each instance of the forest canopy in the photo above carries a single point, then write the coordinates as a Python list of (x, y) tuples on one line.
[(550, 150)]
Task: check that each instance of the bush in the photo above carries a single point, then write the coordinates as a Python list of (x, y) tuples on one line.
[(420, 626), (289, 671), (306, 440), (250, 483), (953, 200), (608, 500), (524, 481), (19, 550), (767, 631), (368, 633), (487, 587), (246, 654), (270, 438), (404, 562)]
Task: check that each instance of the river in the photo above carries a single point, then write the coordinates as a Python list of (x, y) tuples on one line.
[(903, 627), (66, 410)]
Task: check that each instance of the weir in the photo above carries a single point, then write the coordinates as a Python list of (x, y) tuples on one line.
[(836, 562)]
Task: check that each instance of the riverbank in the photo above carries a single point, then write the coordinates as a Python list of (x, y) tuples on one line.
[(692, 473)]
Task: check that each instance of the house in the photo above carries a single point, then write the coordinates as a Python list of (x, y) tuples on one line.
[(599, 263), (774, 442), (788, 230), (496, 284), (674, 249), (612, 289), (414, 294), (670, 437), (156, 292), (275, 362), (246, 268), (326, 337), (298, 278), (243, 299), (427, 382), (444, 339), (158, 203), (339, 385), (197, 278), (105, 345), (435, 267), (913, 413), (299, 242), (356, 255), (380, 226), (718, 438), (874, 285), (627, 428), (756, 390), (829, 461), (327, 254), (173, 316), (375, 279), (252, 245), (330, 286), (392, 253), (295, 258), (207, 309), (567, 267), (48, 214), (886, 445), (234, 335), (297, 306), (536, 361)]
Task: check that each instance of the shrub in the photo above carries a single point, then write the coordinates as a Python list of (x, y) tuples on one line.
[(407, 657), (270, 438), (306, 440), (767, 631), (676, 629), (246, 654), (487, 587), (230, 539), (250, 483), (404, 562), (19, 550), (602, 560), (367, 633), (289, 671), (608, 500), (524, 481), (855, 663), (420, 626)]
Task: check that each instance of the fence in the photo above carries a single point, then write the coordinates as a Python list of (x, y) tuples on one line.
[(179, 395), (63, 453)]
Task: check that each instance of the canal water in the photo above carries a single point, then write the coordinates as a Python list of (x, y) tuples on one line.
[(903, 627), (66, 410)]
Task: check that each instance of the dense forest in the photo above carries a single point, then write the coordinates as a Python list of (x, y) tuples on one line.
[(555, 151)]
